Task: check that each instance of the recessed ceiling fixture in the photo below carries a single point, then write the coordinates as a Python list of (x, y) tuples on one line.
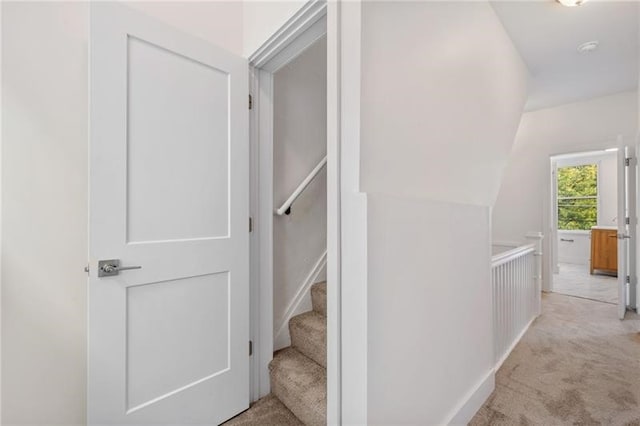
[(571, 3), (587, 47)]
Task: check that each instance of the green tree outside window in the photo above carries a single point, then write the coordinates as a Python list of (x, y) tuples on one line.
[(577, 197)]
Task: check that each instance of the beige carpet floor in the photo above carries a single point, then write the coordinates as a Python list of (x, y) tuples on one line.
[(267, 411), (577, 365)]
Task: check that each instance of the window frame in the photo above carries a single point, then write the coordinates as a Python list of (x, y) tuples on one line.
[(577, 163)]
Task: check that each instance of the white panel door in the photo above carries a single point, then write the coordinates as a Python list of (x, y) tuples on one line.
[(623, 232), (168, 343), (631, 188)]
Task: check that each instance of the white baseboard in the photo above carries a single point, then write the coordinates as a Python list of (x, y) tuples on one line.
[(474, 400), (297, 306)]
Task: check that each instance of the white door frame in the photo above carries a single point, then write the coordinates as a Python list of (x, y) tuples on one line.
[(634, 297), (346, 306), (635, 224), (632, 213), (307, 26)]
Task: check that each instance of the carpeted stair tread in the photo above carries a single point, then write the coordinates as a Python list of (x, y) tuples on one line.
[(266, 411), (319, 298), (301, 385), (309, 336)]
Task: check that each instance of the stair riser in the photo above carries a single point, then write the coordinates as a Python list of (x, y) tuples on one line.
[(300, 384), (309, 336), (294, 405), (319, 299)]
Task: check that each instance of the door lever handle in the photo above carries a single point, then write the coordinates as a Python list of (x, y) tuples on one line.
[(111, 267)]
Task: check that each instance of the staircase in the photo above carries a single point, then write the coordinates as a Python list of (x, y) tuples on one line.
[(298, 373)]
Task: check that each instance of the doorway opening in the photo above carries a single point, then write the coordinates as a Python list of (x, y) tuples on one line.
[(289, 197), (586, 262), (592, 197), (299, 186)]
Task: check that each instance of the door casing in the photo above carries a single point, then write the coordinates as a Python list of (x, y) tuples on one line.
[(633, 253), (306, 27)]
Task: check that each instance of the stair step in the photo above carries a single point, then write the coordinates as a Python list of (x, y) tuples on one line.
[(309, 336), (319, 298), (266, 411), (301, 385)]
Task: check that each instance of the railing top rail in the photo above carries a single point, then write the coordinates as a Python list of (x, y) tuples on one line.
[(506, 256), (284, 209)]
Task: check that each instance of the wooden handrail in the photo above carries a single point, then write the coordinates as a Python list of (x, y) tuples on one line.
[(506, 256)]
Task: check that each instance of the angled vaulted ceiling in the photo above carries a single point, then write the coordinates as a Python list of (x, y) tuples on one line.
[(547, 36)]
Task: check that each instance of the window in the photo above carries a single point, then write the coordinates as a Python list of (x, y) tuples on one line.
[(577, 197)]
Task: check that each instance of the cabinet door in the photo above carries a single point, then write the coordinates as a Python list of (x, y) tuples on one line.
[(597, 249), (610, 249)]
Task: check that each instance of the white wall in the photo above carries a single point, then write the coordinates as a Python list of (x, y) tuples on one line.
[(452, 124), (262, 18), (44, 197), (44, 217), (575, 246), (1, 133), (219, 22), (443, 90), (300, 142), (523, 203), (427, 313), (347, 239)]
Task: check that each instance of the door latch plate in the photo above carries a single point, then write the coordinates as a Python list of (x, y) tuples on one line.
[(108, 268)]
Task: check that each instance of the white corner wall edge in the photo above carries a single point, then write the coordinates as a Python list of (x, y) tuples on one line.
[(474, 400), (0, 214), (300, 303)]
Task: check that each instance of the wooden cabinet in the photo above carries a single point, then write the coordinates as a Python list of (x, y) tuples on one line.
[(604, 250)]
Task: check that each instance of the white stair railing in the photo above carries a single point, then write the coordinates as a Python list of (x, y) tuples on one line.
[(515, 280), (286, 207)]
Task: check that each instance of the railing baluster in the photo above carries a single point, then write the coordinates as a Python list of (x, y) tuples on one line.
[(514, 295)]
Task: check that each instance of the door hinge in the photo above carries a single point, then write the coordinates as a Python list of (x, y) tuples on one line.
[(250, 348), (627, 220), (628, 279), (87, 269), (250, 102), (250, 224), (627, 161)]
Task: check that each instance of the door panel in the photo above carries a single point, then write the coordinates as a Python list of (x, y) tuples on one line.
[(631, 188), (622, 230), (168, 343), (188, 117), (165, 322)]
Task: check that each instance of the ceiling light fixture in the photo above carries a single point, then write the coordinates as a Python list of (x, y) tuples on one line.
[(571, 3), (587, 47)]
